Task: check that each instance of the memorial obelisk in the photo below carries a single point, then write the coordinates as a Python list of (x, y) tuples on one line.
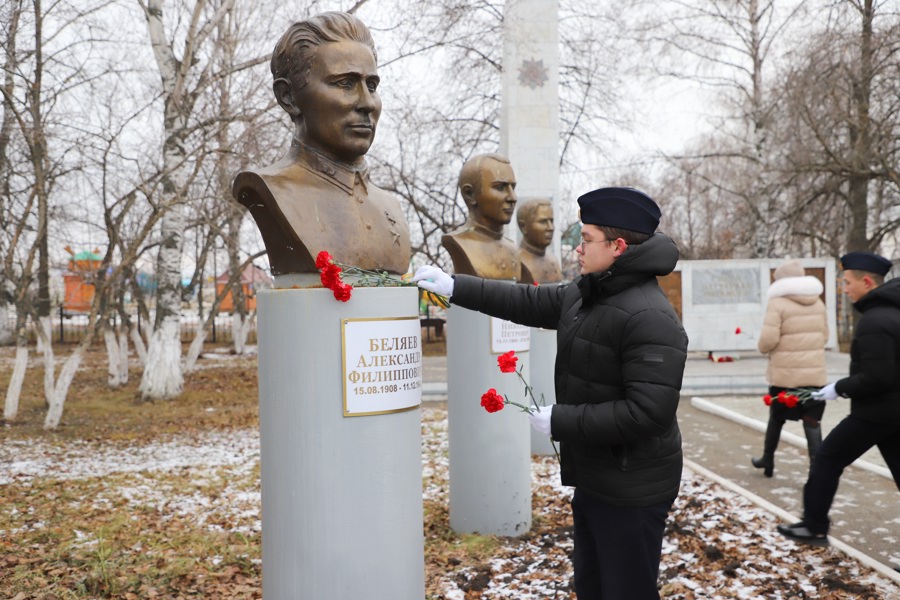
[(529, 136)]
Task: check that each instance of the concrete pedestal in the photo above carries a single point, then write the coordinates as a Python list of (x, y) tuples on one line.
[(543, 361), (490, 458), (341, 496)]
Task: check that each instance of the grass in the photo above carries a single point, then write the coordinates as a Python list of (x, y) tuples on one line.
[(77, 539)]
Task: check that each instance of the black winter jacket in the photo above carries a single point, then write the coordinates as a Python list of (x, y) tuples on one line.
[(874, 382), (620, 359)]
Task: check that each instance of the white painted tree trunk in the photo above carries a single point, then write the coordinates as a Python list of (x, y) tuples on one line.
[(45, 325), (194, 351), (163, 377), (117, 356), (240, 329), (14, 391), (61, 390), (123, 356), (139, 348), (45, 346)]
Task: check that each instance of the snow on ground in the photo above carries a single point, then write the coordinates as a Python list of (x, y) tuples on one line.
[(718, 545)]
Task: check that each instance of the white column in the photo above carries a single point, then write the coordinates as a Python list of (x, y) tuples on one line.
[(490, 460), (529, 110), (543, 362), (341, 496)]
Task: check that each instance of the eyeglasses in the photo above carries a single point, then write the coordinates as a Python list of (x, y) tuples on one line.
[(585, 242)]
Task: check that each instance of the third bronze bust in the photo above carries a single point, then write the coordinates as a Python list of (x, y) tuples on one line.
[(319, 197), (535, 218), (488, 186)]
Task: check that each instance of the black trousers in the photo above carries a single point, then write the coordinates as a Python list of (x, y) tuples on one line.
[(849, 440), (617, 549)]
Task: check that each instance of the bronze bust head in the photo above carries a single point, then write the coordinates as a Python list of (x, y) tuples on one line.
[(488, 186), (318, 196), (535, 219)]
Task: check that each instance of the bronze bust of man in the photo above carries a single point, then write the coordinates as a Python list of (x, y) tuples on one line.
[(319, 197), (535, 218), (488, 186)]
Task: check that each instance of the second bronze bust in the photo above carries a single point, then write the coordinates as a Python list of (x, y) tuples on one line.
[(319, 197), (488, 186)]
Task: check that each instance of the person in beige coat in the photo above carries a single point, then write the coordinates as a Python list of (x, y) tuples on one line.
[(793, 336)]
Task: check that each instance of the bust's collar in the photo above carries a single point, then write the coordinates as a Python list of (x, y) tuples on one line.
[(531, 248), (340, 174), (495, 235)]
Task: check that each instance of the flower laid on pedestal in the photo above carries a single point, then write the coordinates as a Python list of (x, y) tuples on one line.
[(331, 274), (493, 402), (790, 398), (739, 331)]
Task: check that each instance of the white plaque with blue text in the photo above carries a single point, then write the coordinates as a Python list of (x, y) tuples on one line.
[(506, 336), (382, 365)]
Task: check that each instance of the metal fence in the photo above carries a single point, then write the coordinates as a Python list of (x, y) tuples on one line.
[(71, 328)]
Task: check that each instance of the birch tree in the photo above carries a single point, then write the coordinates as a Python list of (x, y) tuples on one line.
[(842, 133), (183, 78)]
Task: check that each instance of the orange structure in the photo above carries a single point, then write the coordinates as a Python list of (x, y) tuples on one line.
[(83, 269), (252, 279)]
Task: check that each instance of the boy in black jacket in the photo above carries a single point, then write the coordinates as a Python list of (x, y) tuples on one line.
[(873, 387), (619, 366)]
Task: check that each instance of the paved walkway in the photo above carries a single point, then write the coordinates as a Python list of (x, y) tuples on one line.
[(722, 417)]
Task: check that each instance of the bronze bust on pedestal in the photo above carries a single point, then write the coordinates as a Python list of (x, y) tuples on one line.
[(487, 185), (319, 197), (535, 219)]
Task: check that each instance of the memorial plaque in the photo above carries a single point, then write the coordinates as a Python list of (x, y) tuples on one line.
[(726, 286), (382, 365), (506, 336)]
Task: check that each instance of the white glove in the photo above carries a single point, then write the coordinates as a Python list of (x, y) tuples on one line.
[(540, 419), (434, 280), (826, 393)]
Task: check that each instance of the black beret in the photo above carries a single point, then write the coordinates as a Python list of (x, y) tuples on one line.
[(620, 207), (866, 261)]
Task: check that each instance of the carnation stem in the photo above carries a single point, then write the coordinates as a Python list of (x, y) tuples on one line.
[(530, 392)]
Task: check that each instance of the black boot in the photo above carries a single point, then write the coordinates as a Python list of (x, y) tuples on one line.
[(813, 440), (767, 460)]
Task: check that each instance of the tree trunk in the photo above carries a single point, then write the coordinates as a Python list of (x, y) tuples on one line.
[(7, 335), (195, 349), (123, 355), (240, 329), (66, 375), (163, 377), (117, 356), (45, 346), (14, 391)]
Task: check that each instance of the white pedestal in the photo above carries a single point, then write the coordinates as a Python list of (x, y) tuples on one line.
[(543, 361), (490, 458), (341, 496)]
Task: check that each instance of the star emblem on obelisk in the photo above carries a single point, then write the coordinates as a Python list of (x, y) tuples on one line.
[(533, 73)]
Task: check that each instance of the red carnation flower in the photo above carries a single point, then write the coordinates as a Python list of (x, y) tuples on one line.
[(737, 331), (492, 401), (535, 283), (791, 401), (323, 259), (342, 291), (767, 399), (331, 276), (781, 396), (507, 362)]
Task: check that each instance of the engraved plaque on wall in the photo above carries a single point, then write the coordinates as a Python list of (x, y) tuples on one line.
[(726, 286)]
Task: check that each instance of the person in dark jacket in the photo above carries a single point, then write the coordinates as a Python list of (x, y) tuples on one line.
[(620, 359), (873, 387)]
